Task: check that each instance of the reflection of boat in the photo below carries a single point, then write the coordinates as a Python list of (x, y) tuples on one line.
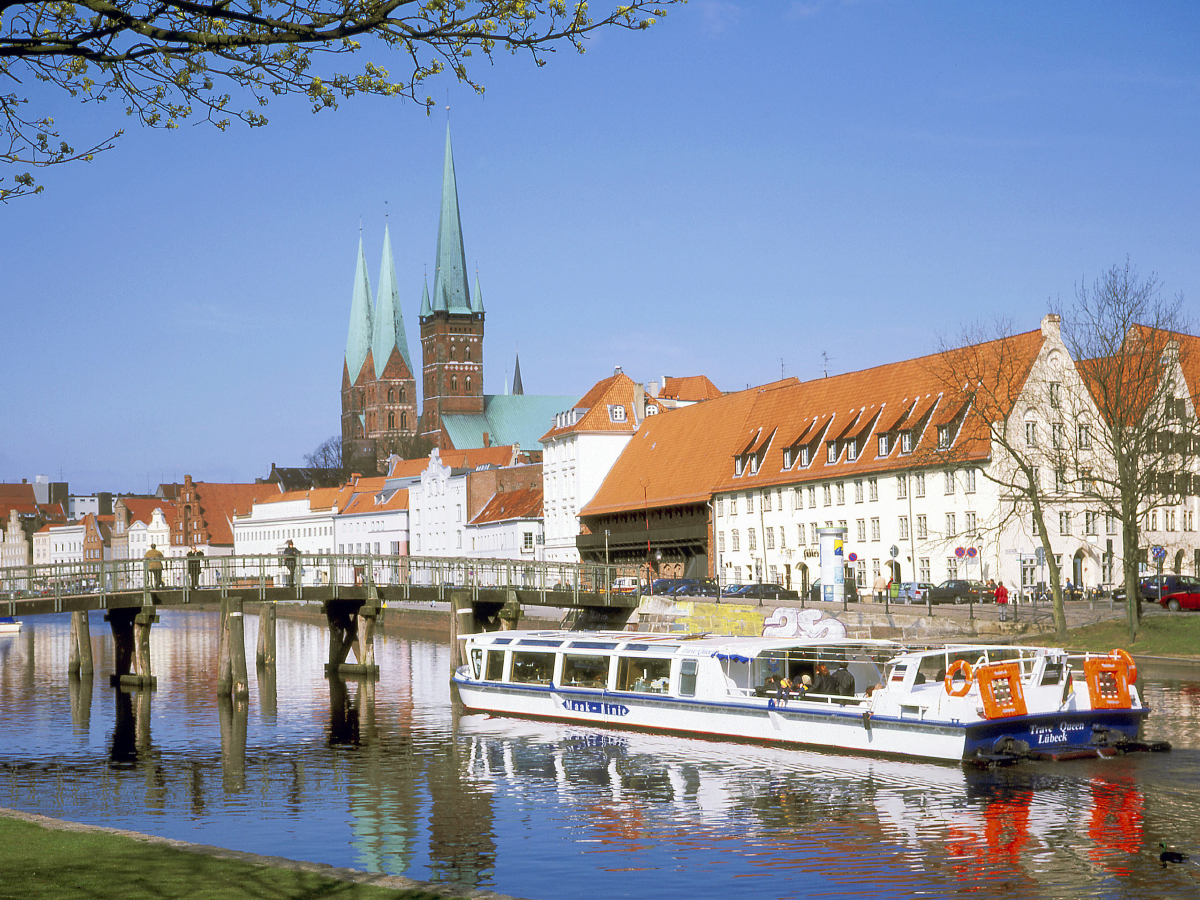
[(974, 703), (9, 625)]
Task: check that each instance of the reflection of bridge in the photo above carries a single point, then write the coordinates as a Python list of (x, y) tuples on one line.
[(484, 593)]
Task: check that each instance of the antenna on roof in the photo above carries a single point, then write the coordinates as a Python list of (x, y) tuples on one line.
[(781, 369), (825, 362)]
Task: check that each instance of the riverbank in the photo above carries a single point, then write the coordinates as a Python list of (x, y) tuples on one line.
[(48, 859)]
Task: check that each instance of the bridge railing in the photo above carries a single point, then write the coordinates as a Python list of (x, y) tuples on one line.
[(251, 575)]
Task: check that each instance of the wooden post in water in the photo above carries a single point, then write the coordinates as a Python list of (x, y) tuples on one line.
[(224, 665), (131, 645), (343, 632), (266, 634), (237, 650), (81, 645), (462, 623), (142, 676)]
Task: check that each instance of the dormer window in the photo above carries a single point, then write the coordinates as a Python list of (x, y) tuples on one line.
[(943, 437), (906, 442), (851, 450), (831, 452), (738, 462), (753, 463), (787, 458), (883, 445), (652, 410), (804, 456), (616, 413)]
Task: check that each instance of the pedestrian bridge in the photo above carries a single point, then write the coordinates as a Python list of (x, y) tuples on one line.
[(485, 594)]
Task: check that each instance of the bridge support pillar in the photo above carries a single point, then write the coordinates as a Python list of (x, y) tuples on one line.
[(131, 646), (352, 627), (266, 635), (80, 663), (231, 651), (510, 613)]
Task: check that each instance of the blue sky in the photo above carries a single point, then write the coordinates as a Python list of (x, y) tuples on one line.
[(743, 188)]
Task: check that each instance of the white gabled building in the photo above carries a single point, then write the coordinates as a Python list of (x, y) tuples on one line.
[(508, 527), (579, 450)]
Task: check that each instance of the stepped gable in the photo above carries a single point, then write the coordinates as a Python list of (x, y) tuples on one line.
[(689, 389), (505, 505)]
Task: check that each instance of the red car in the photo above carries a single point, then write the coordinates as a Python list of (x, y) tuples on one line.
[(1181, 600)]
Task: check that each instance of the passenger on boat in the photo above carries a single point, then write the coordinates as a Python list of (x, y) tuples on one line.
[(785, 690), (771, 686), (843, 681), (822, 683), (805, 685)]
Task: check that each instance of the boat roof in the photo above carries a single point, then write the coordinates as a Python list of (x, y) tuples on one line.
[(694, 644)]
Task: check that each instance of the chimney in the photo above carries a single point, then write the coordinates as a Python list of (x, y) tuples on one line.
[(487, 439), (616, 370)]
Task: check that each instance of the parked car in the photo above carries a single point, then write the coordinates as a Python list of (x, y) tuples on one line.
[(960, 590), (731, 589), (1171, 584), (665, 585), (625, 584), (766, 592), (912, 591), (815, 593), (699, 589), (1188, 599)]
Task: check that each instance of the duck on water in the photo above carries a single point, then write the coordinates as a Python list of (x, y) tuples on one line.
[(979, 704)]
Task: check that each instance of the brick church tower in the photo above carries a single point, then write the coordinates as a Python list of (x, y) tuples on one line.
[(379, 402), (451, 324)]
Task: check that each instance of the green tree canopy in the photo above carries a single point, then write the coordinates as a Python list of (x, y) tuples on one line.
[(167, 61)]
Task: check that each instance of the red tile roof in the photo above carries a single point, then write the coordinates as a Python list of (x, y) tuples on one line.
[(506, 505), (616, 390), (461, 459), (19, 497), (219, 502), (688, 455), (366, 503), (691, 388), (141, 509)]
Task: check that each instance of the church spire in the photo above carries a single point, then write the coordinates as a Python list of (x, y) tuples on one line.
[(477, 299), (517, 387), (358, 340), (389, 331), (450, 292), (426, 309)]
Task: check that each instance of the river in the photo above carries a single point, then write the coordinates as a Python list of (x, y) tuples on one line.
[(389, 778)]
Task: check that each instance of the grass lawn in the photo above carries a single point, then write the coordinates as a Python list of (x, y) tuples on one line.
[(1174, 634), (52, 863)]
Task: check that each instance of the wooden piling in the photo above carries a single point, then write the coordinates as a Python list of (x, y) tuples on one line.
[(224, 664), (237, 650), (266, 635), (81, 645)]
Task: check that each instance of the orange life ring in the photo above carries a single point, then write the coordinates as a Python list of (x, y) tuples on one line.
[(1130, 666), (959, 665)]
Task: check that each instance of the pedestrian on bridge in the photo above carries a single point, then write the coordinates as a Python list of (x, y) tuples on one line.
[(289, 559), (155, 564), (194, 556)]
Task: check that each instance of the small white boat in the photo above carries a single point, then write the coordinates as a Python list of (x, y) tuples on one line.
[(972, 703), (9, 625)]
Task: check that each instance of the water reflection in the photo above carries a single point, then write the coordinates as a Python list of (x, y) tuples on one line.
[(384, 776)]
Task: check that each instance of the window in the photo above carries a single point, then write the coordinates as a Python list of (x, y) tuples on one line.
[(951, 528), (733, 505), (873, 489), (904, 528), (875, 529), (646, 676), (970, 522), (532, 668), (1060, 480), (738, 462), (827, 494), (1089, 522), (787, 457), (616, 413), (1189, 523), (969, 480), (858, 490), (751, 543), (782, 538), (1110, 523), (733, 536), (1031, 434), (901, 486), (1168, 520), (766, 501), (949, 479), (721, 542), (527, 540), (923, 568), (804, 456), (852, 450), (585, 671), (841, 493), (753, 463), (1085, 479), (687, 678), (800, 535), (391, 396), (951, 567), (1056, 435), (468, 384), (720, 507), (943, 437), (919, 484), (813, 534), (1055, 395), (812, 496), (831, 452), (1064, 523), (883, 445), (862, 530), (769, 538), (749, 503), (906, 442)]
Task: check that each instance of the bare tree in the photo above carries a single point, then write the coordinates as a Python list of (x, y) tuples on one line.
[(994, 385), (162, 61), (1133, 350), (326, 456)]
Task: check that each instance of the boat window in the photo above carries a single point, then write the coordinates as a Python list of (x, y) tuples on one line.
[(932, 669), (585, 671), (592, 645), (502, 641), (495, 665), (637, 647), (532, 668), (476, 662), (646, 676), (529, 642), (1053, 673), (687, 678)]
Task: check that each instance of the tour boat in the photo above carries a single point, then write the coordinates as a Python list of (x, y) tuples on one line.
[(9, 625), (979, 704)]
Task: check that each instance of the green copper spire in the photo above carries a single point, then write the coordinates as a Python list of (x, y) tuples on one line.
[(477, 300), (358, 341), (426, 309), (450, 292), (389, 320)]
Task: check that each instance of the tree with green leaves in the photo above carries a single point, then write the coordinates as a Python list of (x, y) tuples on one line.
[(169, 61)]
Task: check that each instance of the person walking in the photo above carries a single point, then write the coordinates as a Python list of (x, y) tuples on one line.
[(1002, 601), (154, 566), (290, 553), (193, 566), (881, 585)]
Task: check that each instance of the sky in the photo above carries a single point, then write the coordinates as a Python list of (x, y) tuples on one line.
[(747, 190)]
